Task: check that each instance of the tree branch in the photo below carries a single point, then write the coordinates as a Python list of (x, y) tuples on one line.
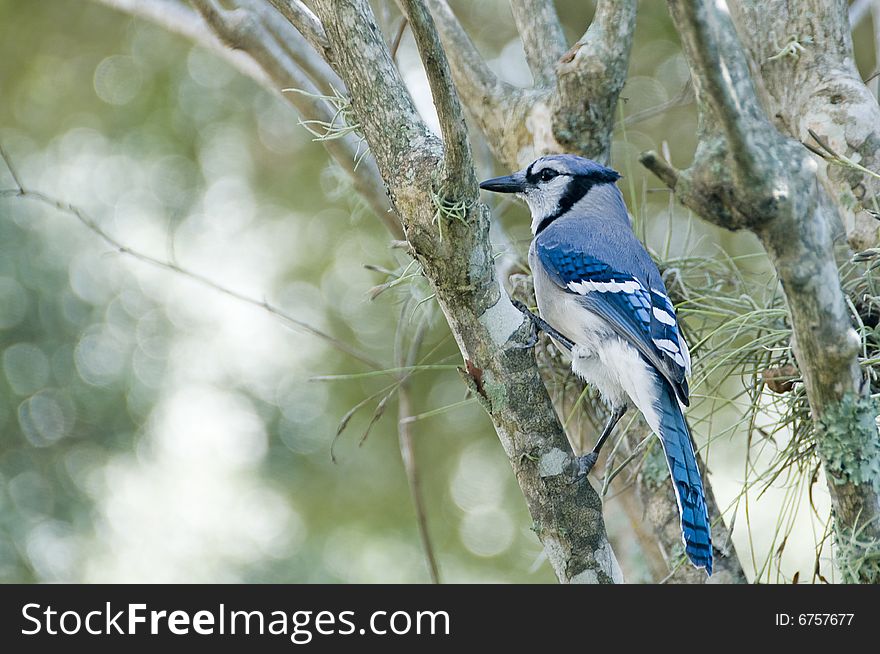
[(457, 155), (500, 110), (179, 19), (725, 86), (590, 77), (857, 11), (448, 231), (815, 85), (173, 266), (306, 23), (407, 360), (542, 37), (275, 69), (745, 174), (474, 76), (243, 29), (310, 59)]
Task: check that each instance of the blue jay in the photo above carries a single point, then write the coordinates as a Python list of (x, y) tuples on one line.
[(602, 298)]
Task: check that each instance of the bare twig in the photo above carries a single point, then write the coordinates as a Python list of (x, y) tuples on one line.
[(306, 23), (407, 444), (685, 97), (660, 167), (398, 37), (821, 89), (12, 171), (120, 247), (240, 28)]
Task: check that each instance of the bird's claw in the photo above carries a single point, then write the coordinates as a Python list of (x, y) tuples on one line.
[(519, 305), (539, 324), (533, 336), (585, 464)]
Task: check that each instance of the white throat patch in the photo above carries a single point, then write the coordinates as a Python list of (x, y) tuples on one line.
[(544, 200)]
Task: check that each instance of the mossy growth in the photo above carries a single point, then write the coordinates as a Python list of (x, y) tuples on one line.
[(858, 557), (449, 209), (849, 443)]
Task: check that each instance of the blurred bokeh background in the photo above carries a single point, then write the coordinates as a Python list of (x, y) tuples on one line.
[(155, 429)]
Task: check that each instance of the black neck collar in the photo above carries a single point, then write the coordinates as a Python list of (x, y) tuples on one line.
[(545, 222)]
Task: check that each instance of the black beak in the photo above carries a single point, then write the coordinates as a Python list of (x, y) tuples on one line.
[(507, 184)]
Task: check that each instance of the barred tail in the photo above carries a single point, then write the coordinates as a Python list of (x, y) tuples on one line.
[(677, 445)]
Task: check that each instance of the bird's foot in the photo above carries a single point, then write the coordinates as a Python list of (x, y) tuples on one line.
[(533, 336), (584, 464), (539, 324)]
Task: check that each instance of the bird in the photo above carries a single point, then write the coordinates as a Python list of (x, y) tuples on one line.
[(603, 301)]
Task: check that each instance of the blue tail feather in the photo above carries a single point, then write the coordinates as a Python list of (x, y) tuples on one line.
[(685, 474)]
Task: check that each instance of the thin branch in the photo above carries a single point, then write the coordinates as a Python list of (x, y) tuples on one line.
[(459, 164), (120, 247), (398, 37), (12, 171), (178, 18), (586, 94), (485, 95), (542, 37), (685, 97), (709, 37), (858, 10), (747, 174), (407, 445), (240, 28), (306, 23), (302, 51), (660, 167)]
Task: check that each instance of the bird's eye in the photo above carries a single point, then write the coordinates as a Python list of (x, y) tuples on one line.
[(547, 174)]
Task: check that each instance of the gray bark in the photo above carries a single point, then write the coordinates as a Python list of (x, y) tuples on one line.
[(572, 106), (749, 172), (748, 175), (817, 87), (574, 102), (430, 182)]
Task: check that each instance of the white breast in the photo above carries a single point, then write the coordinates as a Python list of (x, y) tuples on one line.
[(615, 368)]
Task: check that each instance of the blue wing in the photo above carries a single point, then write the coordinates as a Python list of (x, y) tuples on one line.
[(633, 302)]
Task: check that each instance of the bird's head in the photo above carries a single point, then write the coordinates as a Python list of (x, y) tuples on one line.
[(553, 184)]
